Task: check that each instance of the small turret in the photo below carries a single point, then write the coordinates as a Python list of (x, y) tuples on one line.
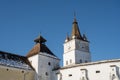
[(67, 38), (84, 37)]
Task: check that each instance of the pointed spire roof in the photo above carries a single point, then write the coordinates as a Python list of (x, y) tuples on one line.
[(40, 39), (39, 47), (75, 30)]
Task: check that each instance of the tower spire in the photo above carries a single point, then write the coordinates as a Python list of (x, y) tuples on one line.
[(75, 29), (75, 17)]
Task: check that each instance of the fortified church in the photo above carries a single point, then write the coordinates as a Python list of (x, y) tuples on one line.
[(42, 64)]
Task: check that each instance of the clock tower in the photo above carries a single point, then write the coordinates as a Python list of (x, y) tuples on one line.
[(76, 47)]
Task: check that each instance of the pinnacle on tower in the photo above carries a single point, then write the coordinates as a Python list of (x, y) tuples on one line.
[(84, 37), (67, 38)]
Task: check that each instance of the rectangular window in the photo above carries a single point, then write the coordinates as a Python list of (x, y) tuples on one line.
[(70, 75), (80, 60), (66, 62), (97, 71)]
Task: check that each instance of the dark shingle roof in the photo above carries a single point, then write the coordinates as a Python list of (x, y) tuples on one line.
[(40, 39), (39, 48), (13, 60)]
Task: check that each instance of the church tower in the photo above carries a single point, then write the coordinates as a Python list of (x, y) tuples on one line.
[(43, 60), (76, 47)]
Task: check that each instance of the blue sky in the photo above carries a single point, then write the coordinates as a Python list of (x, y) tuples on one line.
[(21, 21)]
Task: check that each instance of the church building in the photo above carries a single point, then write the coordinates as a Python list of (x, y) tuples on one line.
[(41, 63)]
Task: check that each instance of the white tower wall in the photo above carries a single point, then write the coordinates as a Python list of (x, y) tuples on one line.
[(76, 51), (44, 64)]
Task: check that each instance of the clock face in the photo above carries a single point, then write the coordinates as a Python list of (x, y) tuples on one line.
[(68, 46), (82, 46), (78, 45)]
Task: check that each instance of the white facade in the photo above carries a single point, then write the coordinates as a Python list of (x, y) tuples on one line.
[(102, 70), (77, 63), (44, 64)]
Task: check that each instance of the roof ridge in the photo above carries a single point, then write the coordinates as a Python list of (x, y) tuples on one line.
[(5, 52)]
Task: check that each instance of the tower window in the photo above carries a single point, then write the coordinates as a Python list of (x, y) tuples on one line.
[(113, 76), (97, 71), (66, 62), (86, 61), (80, 61), (46, 73), (70, 75), (49, 63), (22, 71), (112, 69), (7, 69)]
